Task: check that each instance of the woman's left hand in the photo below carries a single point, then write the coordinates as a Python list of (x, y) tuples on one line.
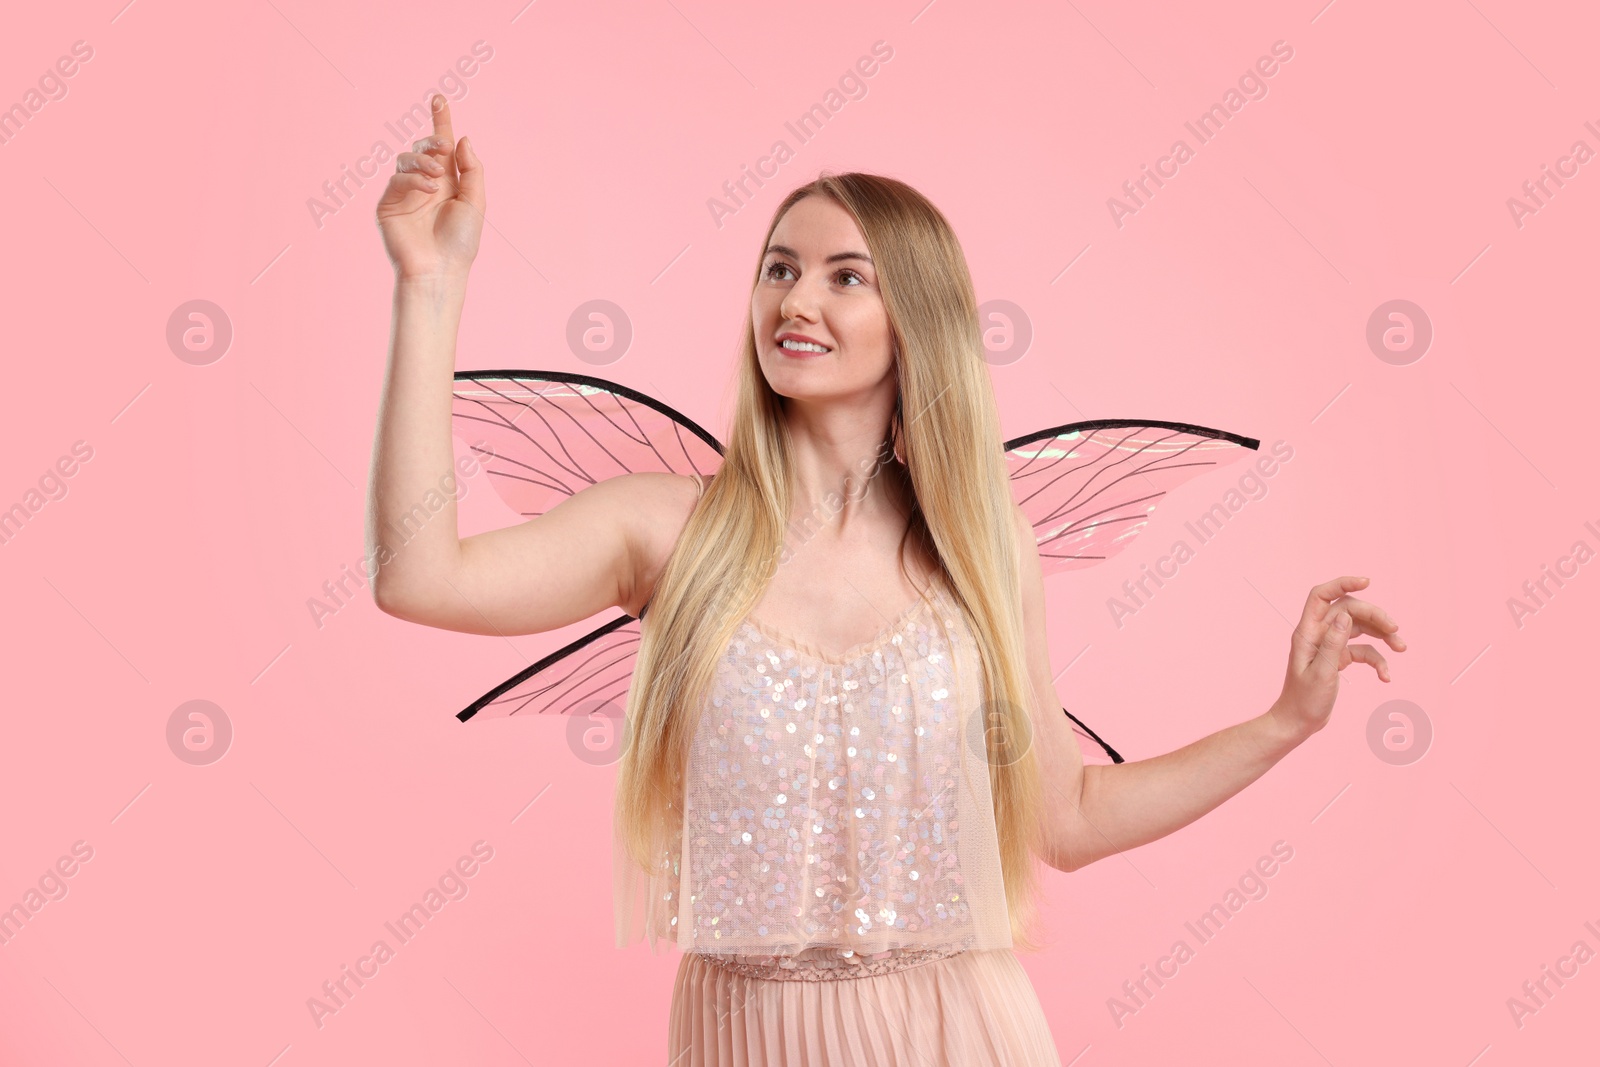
[(1319, 649)]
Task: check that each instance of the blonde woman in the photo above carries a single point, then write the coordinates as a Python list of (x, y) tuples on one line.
[(847, 759)]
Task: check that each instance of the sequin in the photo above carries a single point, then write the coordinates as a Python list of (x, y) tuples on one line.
[(863, 826), (814, 965)]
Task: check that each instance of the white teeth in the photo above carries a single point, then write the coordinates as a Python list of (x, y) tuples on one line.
[(801, 346)]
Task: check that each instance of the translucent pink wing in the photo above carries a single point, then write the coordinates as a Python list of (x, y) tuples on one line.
[(1090, 744), (546, 435), (594, 670), (1088, 488)]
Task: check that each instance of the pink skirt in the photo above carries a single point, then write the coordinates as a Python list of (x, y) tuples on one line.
[(912, 1009)]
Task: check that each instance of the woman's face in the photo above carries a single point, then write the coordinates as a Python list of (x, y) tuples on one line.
[(818, 284)]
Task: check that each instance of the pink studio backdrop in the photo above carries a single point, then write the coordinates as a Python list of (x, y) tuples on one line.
[(1383, 160)]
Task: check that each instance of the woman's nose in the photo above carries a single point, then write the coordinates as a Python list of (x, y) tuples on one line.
[(799, 302)]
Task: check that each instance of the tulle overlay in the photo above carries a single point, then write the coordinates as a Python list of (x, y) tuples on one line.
[(832, 800), (968, 1009)]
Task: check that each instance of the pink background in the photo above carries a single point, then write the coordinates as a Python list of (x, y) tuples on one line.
[(220, 497)]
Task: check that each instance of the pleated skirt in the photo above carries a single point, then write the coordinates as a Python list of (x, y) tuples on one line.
[(971, 1009)]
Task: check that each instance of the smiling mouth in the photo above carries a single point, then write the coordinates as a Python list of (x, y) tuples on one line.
[(803, 346)]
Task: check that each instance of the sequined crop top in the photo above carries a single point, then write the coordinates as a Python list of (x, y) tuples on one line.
[(833, 802)]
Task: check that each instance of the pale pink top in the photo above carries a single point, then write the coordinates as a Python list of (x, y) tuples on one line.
[(833, 803)]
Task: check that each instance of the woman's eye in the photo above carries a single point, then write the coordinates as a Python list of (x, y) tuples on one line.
[(848, 277)]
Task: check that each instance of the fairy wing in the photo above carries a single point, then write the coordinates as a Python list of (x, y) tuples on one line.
[(543, 436), (590, 673), (1090, 487), (1087, 487)]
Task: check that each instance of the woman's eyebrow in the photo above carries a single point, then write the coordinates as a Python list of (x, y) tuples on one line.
[(785, 250)]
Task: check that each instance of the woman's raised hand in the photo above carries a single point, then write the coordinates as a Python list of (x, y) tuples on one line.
[(431, 213), (1319, 649)]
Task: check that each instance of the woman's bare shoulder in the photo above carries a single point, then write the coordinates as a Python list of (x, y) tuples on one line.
[(662, 505)]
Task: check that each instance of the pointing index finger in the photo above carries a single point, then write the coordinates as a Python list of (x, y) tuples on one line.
[(441, 121)]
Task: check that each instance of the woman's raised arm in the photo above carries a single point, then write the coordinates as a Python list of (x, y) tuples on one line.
[(601, 547)]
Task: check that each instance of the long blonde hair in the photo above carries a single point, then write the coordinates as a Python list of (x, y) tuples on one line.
[(947, 428)]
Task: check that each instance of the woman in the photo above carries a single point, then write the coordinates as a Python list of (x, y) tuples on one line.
[(846, 757)]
